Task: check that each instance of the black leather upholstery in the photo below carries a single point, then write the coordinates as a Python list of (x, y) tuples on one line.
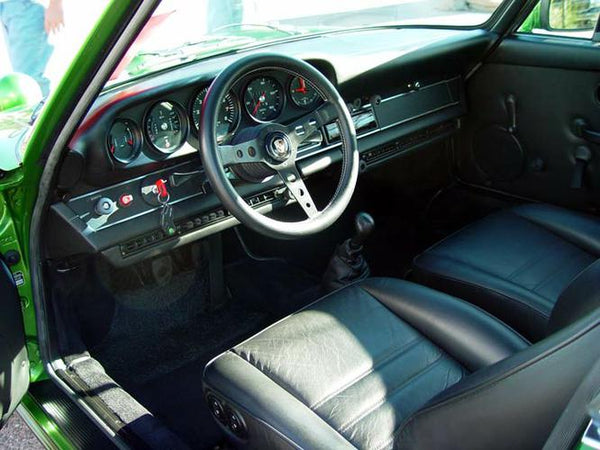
[(516, 264), (389, 364), (349, 369)]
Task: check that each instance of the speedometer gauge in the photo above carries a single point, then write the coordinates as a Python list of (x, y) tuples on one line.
[(264, 99), (165, 127), (228, 116)]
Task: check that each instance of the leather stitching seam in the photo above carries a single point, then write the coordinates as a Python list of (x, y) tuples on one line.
[(555, 231), (477, 390), (539, 312), (343, 428), (393, 355)]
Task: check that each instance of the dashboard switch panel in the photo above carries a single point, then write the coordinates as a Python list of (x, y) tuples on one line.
[(105, 206), (190, 224), (145, 189)]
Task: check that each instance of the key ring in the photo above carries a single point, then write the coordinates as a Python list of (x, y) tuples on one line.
[(160, 200)]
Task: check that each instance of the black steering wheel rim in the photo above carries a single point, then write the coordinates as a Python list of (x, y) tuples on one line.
[(213, 155)]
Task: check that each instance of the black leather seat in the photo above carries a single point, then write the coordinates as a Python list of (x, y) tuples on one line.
[(515, 264), (390, 364)]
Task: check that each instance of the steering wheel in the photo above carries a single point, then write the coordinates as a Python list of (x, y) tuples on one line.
[(272, 148)]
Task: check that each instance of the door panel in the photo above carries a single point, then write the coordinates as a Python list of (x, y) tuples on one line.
[(553, 82), (14, 364)]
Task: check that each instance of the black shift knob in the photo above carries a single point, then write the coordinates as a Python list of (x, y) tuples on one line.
[(364, 225)]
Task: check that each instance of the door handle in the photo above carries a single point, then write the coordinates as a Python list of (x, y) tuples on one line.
[(511, 107), (582, 129), (583, 156)]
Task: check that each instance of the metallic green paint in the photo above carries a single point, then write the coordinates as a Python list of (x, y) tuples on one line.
[(43, 426), (18, 91), (19, 188), (583, 446), (11, 199)]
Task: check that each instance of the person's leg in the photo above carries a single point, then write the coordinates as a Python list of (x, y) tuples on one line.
[(26, 38), (2, 27)]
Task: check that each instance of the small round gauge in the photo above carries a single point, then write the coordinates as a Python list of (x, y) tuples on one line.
[(228, 115), (124, 141), (165, 127), (302, 93), (264, 99)]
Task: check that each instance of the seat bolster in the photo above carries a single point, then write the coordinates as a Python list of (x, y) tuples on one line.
[(512, 408), (509, 302), (579, 299), (274, 417), (468, 334), (580, 229)]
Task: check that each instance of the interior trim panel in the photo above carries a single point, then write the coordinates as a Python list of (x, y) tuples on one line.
[(108, 204)]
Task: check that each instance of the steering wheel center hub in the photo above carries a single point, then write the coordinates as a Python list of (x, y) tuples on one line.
[(259, 152), (279, 146)]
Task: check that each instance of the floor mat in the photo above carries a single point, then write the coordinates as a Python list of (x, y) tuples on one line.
[(161, 337), (274, 287), (157, 329)]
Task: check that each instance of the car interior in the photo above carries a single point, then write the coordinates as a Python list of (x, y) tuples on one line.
[(373, 238)]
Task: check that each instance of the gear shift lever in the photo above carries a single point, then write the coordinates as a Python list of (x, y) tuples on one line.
[(348, 264), (364, 225)]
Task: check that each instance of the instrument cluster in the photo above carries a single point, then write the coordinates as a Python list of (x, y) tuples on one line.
[(167, 124)]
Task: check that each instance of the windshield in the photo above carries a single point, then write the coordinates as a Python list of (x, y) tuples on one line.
[(38, 41), (184, 30), (40, 38)]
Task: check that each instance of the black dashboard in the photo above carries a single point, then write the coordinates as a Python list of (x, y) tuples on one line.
[(154, 130), (404, 88)]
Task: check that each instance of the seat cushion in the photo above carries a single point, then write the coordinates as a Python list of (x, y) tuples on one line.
[(515, 263), (349, 369)]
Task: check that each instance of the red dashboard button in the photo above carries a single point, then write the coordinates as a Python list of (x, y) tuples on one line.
[(125, 199)]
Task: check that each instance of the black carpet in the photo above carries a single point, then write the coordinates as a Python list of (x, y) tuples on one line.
[(160, 337)]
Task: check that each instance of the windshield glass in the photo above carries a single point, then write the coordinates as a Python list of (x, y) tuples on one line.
[(38, 41), (40, 38), (184, 30)]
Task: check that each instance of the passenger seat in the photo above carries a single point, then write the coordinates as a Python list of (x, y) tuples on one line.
[(516, 263)]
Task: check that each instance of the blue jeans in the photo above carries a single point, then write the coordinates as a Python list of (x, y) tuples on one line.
[(28, 48)]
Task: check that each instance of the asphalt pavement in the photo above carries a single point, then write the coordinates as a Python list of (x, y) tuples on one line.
[(16, 435)]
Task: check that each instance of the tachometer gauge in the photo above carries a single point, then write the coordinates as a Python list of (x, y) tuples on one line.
[(302, 93), (264, 99), (228, 115), (165, 127), (124, 141)]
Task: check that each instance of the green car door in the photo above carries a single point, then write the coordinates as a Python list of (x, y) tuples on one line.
[(14, 363), (22, 146)]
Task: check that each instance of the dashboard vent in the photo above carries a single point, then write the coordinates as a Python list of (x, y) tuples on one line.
[(408, 142)]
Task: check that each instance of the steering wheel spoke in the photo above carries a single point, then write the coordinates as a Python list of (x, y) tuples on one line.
[(294, 182), (301, 129), (244, 152), (274, 146)]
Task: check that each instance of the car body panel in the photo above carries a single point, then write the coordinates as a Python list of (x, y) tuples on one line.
[(19, 188)]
